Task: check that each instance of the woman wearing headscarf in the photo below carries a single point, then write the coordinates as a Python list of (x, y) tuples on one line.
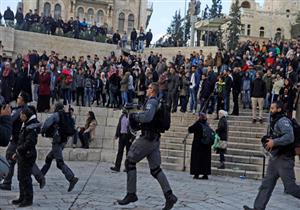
[(201, 153), (87, 133), (222, 131)]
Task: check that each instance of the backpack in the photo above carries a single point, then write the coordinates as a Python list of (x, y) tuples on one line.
[(208, 136), (296, 129), (163, 116), (66, 125)]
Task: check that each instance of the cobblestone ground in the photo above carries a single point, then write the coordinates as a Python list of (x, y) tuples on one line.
[(99, 188)]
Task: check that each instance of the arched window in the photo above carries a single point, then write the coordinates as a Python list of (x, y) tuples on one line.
[(57, 11), (130, 22), (90, 15), (100, 17), (246, 5), (47, 9), (261, 32), (80, 13), (278, 32), (121, 22), (288, 13)]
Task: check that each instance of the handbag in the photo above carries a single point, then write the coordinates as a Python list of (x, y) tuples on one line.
[(223, 144)]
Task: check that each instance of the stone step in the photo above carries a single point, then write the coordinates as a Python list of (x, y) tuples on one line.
[(235, 145), (231, 133), (231, 127)]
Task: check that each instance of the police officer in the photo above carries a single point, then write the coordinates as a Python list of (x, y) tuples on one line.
[(11, 149), (281, 163), (147, 145), (58, 144), (26, 155)]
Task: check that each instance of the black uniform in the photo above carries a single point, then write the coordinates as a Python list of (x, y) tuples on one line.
[(11, 149), (26, 157)]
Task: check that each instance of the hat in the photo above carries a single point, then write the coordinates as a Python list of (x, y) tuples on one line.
[(24, 96), (58, 107)]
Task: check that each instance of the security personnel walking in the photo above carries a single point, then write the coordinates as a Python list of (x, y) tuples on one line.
[(11, 149), (280, 144), (58, 144), (147, 145), (26, 155)]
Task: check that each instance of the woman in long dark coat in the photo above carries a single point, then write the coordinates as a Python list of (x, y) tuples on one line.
[(201, 153), (222, 131)]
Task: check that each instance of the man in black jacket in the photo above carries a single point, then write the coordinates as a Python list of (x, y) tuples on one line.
[(149, 37), (125, 138), (133, 37), (9, 17), (258, 93), (5, 123), (236, 90), (19, 17), (12, 147)]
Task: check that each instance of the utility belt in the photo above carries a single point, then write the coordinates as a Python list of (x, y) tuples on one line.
[(151, 135)]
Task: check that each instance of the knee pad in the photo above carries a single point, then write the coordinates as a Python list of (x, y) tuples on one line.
[(59, 164), (130, 165), (154, 172)]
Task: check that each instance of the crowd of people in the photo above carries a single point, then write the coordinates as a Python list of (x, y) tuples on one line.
[(253, 75), (75, 28), (263, 76)]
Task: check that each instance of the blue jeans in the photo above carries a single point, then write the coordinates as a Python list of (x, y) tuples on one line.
[(267, 101), (141, 47), (88, 96), (124, 95), (193, 96), (246, 98)]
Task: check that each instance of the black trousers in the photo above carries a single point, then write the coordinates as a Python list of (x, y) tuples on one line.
[(25, 165), (124, 141), (235, 95), (84, 139), (80, 93)]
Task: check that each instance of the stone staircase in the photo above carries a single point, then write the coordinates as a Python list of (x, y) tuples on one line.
[(243, 158)]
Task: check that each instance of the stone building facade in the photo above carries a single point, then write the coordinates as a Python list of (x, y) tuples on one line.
[(271, 21), (122, 15)]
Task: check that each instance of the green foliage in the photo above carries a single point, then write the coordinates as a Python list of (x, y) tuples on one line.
[(234, 25), (100, 38), (36, 27), (175, 30), (216, 9), (187, 28), (69, 34), (86, 35)]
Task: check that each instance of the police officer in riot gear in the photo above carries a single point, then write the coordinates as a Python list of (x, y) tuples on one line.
[(58, 144), (147, 145), (280, 143), (11, 149), (26, 155)]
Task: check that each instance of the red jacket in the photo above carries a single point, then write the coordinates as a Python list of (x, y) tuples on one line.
[(44, 84)]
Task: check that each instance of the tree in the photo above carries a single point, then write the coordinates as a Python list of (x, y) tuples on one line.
[(205, 13), (216, 9), (187, 29), (234, 27), (175, 30)]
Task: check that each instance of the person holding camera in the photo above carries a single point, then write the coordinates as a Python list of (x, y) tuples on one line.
[(11, 149), (280, 144), (147, 145), (125, 138)]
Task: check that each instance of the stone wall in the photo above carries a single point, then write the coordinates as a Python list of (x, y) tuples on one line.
[(15, 41)]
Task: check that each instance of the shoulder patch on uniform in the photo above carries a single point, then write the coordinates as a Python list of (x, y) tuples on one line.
[(149, 105)]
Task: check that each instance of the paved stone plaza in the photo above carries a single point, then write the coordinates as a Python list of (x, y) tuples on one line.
[(99, 188)]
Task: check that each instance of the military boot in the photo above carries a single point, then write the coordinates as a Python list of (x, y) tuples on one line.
[(247, 208), (171, 199), (129, 198)]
